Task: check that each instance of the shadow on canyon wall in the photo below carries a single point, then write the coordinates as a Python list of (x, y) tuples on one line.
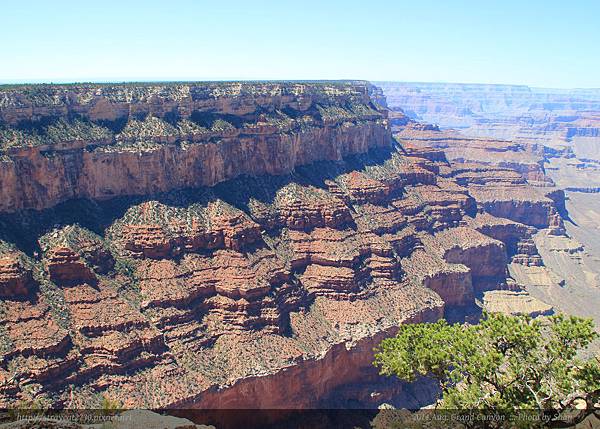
[(22, 228)]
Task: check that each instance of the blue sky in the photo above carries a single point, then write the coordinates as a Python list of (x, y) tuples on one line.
[(540, 43)]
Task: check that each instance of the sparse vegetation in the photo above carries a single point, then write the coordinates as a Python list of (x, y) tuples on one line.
[(27, 408), (335, 113), (52, 133), (56, 301), (221, 125), (74, 237), (149, 128), (186, 127), (110, 407), (6, 344), (138, 135), (63, 131)]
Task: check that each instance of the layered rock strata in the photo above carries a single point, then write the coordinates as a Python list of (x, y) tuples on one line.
[(516, 190), (15, 279), (563, 124), (265, 290), (101, 141)]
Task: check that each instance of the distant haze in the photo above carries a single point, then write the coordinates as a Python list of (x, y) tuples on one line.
[(537, 43)]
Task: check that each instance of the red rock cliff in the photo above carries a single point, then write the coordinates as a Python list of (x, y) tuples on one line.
[(63, 142), (268, 289)]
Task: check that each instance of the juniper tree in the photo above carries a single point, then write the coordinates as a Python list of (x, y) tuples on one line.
[(504, 363)]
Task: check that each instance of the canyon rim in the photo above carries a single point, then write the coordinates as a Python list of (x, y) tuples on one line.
[(247, 244)]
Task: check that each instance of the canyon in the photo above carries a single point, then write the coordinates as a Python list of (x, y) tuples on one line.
[(556, 141), (247, 245)]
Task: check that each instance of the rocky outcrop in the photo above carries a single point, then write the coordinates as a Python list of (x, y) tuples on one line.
[(207, 287), (111, 336), (485, 256), (363, 189), (218, 226), (31, 336), (452, 282), (303, 208), (506, 179), (481, 258), (66, 267), (112, 101), (517, 237), (15, 279), (561, 125), (306, 386), (515, 302)]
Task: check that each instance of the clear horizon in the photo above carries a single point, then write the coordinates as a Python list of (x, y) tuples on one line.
[(541, 44)]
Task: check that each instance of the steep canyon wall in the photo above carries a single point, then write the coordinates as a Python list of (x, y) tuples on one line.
[(240, 244)]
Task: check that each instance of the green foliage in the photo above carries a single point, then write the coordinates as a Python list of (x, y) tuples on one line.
[(278, 119), (125, 267), (361, 109), (77, 130), (10, 137), (186, 127), (73, 236), (220, 125), (109, 407), (25, 408), (55, 298), (6, 343), (504, 363), (352, 112)]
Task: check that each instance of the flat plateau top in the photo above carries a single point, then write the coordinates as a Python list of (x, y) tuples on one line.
[(145, 84), (33, 95)]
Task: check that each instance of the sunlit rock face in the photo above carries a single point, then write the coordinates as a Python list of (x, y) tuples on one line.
[(15, 279), (240, 245), (101, 141)]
